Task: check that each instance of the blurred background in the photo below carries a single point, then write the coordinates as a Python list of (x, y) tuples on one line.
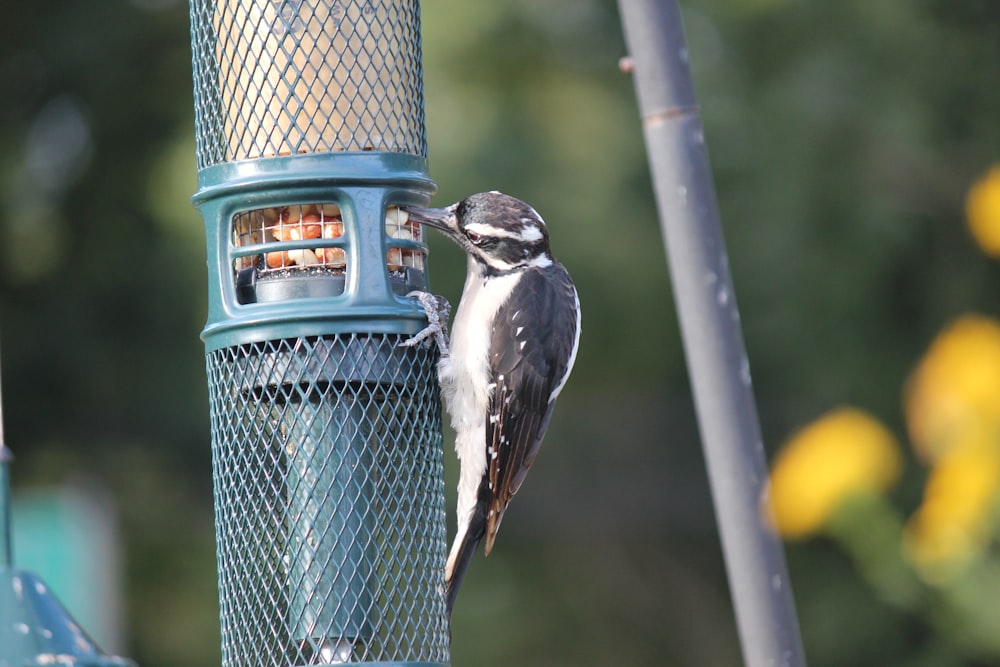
[(845, 138)]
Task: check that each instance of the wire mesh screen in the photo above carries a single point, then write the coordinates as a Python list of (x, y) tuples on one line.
[(286, 77), (329, 501), (300, 251)]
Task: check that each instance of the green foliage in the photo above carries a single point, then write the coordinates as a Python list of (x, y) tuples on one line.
[(843, 136)]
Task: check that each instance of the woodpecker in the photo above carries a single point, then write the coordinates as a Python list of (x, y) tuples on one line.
[(513, 343)]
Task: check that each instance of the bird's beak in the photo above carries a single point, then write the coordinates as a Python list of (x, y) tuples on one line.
[(443, 219)]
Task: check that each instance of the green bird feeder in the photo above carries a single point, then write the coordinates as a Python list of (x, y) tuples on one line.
[(35, 629), (326, 435)]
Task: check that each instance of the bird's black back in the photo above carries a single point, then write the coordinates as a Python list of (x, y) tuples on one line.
[(534, 336)]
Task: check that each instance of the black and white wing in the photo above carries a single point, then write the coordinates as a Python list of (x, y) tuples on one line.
[(534, 345)]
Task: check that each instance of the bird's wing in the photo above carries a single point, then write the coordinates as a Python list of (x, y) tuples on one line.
[(533, 337)]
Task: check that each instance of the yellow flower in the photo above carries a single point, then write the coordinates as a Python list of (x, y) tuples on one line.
[(844, 453), (982, 210), (956, 384), (953, 522)]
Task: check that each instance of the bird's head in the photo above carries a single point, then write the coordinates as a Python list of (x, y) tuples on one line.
[(500, 232)]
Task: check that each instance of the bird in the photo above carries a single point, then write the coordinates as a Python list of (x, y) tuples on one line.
[(514, 342)]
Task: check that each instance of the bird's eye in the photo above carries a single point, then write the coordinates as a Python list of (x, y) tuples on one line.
[(475, 238)]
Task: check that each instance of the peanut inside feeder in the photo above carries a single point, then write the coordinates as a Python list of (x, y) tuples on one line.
[(305, 225), (297, 223), (399, 227), (306, 228)]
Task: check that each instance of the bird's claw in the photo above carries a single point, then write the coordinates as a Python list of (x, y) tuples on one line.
[(437, 310)]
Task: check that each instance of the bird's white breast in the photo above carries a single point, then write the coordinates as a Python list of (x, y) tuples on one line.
[(465, 376)]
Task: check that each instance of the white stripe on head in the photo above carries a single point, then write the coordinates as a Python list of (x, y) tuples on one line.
[(528, 233), (540, 262), (484, 229)]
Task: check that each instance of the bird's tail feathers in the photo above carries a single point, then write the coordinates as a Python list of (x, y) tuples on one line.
[(464, 548), (459, 564), (458, 561), (492, 526)]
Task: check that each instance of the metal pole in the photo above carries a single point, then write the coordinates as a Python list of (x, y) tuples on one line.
[(6, 527), (713, 342)]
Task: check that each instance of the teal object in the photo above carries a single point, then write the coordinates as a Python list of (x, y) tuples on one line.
[(68, 535), (35, 629), (362, 186), (326, 435)]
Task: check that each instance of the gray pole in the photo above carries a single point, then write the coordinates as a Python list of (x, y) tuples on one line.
[(6, 529), (710, 327)]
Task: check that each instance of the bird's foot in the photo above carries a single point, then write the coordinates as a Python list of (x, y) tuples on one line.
[(437, 310)]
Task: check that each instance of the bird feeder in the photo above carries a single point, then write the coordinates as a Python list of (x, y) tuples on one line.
[(326, 435), (35, 629)]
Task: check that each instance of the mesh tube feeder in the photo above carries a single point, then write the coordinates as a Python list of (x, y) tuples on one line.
[(326, 436)]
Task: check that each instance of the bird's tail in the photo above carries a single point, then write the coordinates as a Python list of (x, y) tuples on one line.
[(461, 557), (462, 551)]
